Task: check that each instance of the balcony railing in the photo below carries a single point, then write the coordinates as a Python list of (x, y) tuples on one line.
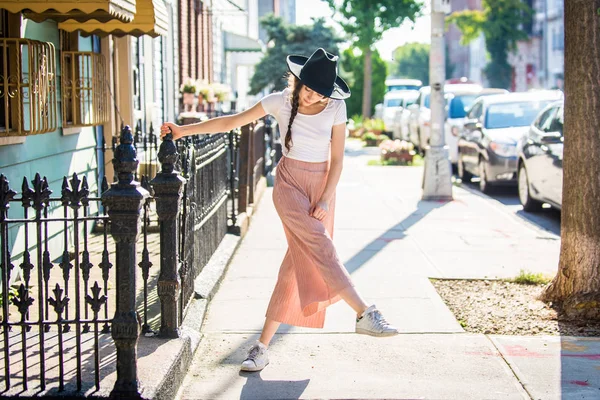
[(27, 87)]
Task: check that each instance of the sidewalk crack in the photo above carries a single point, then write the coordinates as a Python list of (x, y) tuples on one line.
[(510, 367)]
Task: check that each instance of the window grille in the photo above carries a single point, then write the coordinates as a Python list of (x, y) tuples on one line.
[(27, 87), (84, 90)]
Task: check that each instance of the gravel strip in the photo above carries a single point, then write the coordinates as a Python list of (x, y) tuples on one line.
[(506, 308)]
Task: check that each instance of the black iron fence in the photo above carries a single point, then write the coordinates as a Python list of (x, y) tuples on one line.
[(65, 305), (59, 299)]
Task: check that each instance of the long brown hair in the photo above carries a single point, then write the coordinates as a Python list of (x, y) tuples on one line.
[(295, 86)]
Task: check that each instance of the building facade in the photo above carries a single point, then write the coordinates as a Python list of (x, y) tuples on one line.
[(78, 77), (465, 60)]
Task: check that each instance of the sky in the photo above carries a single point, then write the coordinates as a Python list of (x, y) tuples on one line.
[(408, 32)]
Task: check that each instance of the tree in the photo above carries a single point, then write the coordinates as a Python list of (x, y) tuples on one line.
[(287, 39), (576, 287), (411, 61), (501, 22), (365, 21), (352, 64)]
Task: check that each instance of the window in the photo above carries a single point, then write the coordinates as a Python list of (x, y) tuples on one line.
[(27, 81), (544, 120), (506, 115), (557, 122), (475, 112), (460, 104), (84, 94)]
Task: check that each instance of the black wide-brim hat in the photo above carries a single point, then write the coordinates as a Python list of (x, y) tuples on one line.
[(319, 72)]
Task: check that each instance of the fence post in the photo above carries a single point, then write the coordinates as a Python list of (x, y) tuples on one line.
[(245, 159), (168, 188), (124, 200)]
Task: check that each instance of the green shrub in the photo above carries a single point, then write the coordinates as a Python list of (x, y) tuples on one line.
[(530, 278)]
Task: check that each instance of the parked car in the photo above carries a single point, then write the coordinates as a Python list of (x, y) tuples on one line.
[(458, 104), (393, 102), (420, 118), (400, 120), (540, 152), (402, 84), (487, 144)]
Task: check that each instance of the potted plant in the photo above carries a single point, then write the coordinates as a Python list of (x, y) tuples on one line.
[(221, 91), (396, 151), (370, 138), (375, 125), (188, 91)]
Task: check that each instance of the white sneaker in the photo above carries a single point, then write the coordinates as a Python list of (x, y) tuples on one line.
[(372, 323), (257, 358)]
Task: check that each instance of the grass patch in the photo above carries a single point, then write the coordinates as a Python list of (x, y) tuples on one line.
[(417, 162), (529, 278)]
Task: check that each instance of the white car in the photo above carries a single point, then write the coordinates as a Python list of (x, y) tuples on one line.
[(420, 118), (392, 103), (400, 124), (458, 104)]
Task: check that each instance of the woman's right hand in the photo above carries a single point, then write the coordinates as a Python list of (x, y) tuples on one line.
[(169, 127)]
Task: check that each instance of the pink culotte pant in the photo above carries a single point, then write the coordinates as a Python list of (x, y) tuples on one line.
[(311, 274)]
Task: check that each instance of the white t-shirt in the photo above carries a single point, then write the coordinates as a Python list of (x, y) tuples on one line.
[(311, 134)]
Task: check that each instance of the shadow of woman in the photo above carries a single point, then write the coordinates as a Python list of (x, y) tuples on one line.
[(257, 388)]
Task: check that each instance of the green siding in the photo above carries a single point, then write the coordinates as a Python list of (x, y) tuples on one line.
[(53, 155)]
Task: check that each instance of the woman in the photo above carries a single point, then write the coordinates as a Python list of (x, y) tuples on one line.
[(313, 114)]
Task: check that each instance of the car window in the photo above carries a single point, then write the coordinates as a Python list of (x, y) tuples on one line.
[(557, 122), (426, 101), (475, 112), (402, 87), (393, 103), (460, 104), (545, 119), (507, 115), (408, 102)]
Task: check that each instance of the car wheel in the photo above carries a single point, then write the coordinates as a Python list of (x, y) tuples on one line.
[(463, 174), (484, 184), (529, 203)]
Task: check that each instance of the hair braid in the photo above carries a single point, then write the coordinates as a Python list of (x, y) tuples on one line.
[(295, 103)]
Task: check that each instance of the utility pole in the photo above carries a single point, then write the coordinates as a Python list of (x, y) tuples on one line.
[(437, 183)]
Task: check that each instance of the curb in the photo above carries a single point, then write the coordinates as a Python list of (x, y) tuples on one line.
[(501, 208)]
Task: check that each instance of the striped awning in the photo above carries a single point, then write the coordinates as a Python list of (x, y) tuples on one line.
[(78, 10), (151, 18)]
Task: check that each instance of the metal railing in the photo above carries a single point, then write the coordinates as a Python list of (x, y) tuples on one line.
[(70, 301), (28, 103)]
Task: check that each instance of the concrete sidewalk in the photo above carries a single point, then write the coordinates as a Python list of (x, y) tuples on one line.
[(391, 243)]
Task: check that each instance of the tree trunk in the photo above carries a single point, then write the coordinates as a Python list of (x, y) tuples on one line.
[(576, 287), (366, 104)]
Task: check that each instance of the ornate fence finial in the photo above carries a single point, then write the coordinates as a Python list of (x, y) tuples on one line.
[(125, 161), (6, 195), (167, 154)]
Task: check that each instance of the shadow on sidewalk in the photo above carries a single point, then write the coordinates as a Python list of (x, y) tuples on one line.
[(394, 233), (257, 388)]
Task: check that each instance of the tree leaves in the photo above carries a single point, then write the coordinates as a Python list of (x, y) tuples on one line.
[(411, 61), (365, 21), (352, 66), (284, 39), (501, 22)]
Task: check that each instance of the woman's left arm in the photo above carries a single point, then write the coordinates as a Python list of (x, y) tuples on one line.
[(338, 137)]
